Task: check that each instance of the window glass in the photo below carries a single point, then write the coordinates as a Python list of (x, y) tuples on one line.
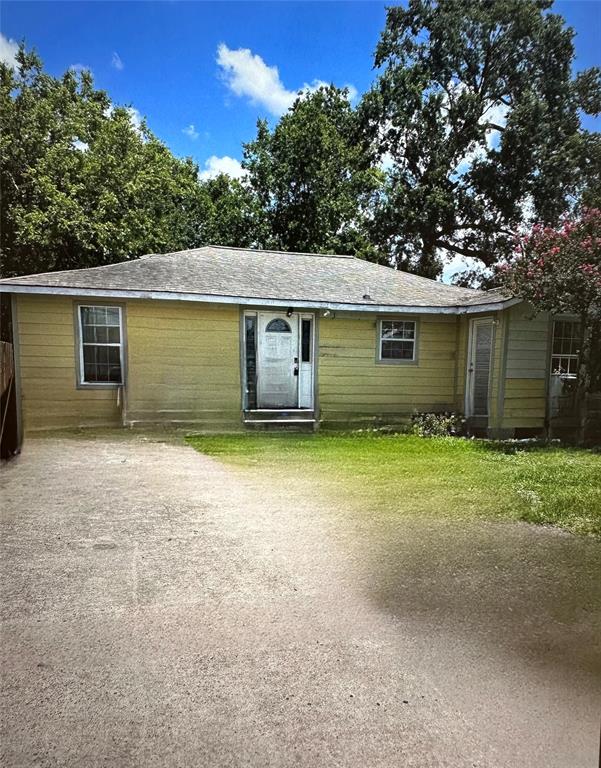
[(100, 340), (397, 340), (250, 330), (306, 341), (565, 348), (278, 326)]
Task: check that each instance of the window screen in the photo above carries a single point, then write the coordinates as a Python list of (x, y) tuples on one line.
[(100, 345)]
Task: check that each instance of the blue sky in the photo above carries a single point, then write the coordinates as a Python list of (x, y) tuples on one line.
[(203, 100)]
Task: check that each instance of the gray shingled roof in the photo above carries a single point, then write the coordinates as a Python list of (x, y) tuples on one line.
[(262, 275)]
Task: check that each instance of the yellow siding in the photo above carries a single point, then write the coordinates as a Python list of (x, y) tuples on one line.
[(183, 367), (183, 364), (461, 366), (354, 387), (49, 396), (527, 369), (524, 403)]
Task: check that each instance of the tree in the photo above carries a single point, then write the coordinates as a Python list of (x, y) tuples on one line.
[(477, 114), (312, 176), (558, 270), (82, 183), (230, 214)]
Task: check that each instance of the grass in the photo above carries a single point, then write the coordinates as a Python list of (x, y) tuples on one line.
[(392, 475)]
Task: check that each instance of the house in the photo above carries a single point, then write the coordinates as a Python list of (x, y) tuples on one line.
[(220, 338)]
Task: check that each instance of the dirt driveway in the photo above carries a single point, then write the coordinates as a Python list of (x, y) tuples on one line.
[(161, 609)]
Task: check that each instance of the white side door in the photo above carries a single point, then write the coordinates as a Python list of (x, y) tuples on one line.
[(277, 364), (478, 367)]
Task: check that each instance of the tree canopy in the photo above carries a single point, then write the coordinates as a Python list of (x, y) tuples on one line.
[(470, 134), (477, 113), (312, 176), (82, 183)]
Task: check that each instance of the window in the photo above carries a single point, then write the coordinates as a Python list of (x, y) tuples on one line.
[(100, 345), (278, 326), (305, 340), (250, 352), (397, 340), (566, 344)]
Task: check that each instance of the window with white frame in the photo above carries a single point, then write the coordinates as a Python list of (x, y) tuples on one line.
[(397, 340), (566, 347), (100, 345)]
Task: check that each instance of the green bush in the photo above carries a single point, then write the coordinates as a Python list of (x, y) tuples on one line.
[(437, 424)]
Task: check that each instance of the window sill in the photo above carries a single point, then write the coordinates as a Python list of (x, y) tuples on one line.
[(396, 362), (98, 385)]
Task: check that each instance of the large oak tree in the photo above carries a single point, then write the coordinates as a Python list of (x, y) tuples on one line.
[(477, 114)]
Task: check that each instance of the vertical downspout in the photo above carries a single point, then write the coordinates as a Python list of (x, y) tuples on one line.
[(17, 364)]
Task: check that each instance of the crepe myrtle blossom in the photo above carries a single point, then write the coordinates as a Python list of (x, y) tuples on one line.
[(558, 270)]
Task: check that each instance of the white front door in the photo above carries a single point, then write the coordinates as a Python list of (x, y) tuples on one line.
[(278, 364), (478, 367)]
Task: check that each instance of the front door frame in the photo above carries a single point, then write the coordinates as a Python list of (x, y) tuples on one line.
[(304, 369), (470, 361)]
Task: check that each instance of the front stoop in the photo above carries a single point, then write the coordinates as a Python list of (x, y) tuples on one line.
[(275, 420)]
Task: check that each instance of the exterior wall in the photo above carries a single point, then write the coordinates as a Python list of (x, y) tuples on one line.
[(526, 370), (184, 364), (354, 388), (47, 370), (183, 368)]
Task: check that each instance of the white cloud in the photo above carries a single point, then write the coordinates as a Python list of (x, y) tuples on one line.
[(247, 75), (79, 68), (8, 51), (216, 165), (117, 62), (80, 146), (191, 131), (135, 118), (460, 264)]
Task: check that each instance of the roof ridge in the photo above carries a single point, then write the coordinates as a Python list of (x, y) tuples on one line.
[(275, 250), (429, 280)]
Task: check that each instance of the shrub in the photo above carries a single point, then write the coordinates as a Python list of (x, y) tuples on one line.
[(437, 424)]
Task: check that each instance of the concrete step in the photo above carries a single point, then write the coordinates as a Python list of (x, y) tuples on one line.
[(272, 414), (280, 425)]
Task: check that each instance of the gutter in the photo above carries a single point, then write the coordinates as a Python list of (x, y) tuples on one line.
[(254, 301)]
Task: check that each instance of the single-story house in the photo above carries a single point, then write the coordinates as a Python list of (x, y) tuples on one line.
[(220, 338)]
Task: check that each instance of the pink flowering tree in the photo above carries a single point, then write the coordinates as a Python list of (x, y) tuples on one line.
[(558, 270)]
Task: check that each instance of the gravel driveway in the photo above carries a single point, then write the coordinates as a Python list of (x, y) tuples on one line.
[(162, 609)]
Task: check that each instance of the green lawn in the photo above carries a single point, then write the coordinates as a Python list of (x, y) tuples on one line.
[(396, 475)]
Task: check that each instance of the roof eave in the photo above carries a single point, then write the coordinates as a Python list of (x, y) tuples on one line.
[(104, 293)]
